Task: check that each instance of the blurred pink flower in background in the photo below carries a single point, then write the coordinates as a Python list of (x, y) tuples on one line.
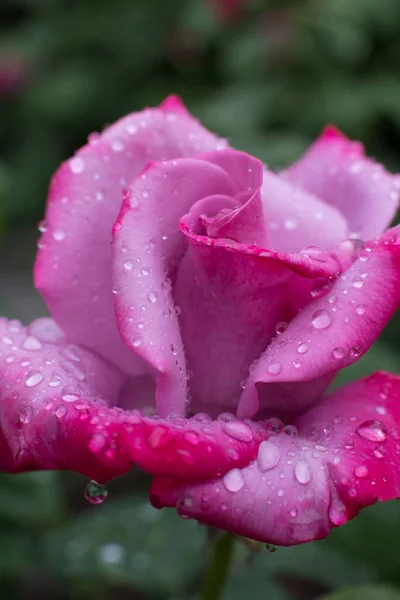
[(202, 306), (13, 74)]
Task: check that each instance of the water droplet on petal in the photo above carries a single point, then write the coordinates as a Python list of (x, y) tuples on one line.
[(360, 309), (374, 431), (274, 368), (290, 223), (321, 319), (136, 343), (153, 296), (117, 146), (338, 353), (77, 165), (25, 415), (379, 451), (281, 327), (268, 456), (33, 378), (128, 265), (60, 411), (233, 480), (238, 430), (58, 235), (361, 471), (303, 472), (302, 348), (315, 253), (95, 493), (357, 282), (31, 343), (43, 226)]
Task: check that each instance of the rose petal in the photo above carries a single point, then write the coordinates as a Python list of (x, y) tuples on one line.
[(335, 330), (296, 218), (55, 413), (148, 247), (232, 298), (336, 170), (344, 457), (73, 267)]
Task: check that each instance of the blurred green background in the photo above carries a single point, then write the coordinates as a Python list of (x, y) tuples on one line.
[(268, 75)]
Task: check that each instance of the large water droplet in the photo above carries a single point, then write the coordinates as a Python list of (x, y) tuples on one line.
[(303, 472), (315, 253), (374, 431), (31, 343), (238, 430), (302, 348), (321, 319), (95, 493), (153, 296), (77, 165), (268, 456), (33, 378), (338, 353), (274, 368), (233, 480)]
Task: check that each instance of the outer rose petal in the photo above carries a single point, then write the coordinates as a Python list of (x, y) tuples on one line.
[(336, 170), (333, 331), (54, 414), (296, 218), (345, 457), (232, 297), (73, 267), (148, 247)]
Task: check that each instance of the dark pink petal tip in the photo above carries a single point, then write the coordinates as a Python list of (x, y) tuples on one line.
[(337, 458)]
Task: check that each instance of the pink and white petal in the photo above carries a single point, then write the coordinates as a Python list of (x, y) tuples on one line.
[(296, 218), (336, 170), (335, 330), (73, 266), (232, 297), (147, 249), (345, 456), (56, 413)]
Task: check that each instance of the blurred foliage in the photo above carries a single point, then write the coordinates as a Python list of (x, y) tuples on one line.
[(269, 80)]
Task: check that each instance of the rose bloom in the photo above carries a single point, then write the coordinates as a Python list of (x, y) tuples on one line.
[(202, 306)]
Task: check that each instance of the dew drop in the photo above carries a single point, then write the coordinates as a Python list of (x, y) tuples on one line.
[(274, 368), (60, 411), (302, 472), (43, 226), (25, 415), (361, 471), (379, 451), (274, 425), (95, 493), (360, 309), (281, 327), (33, 378), (136, 343), (271, 548), (117, 146), (355, 351), (58, 235), (153, 297), (302, 348), (290, 223), (338, 353), (374, 431), (128, 265), (233, 480), (268, 456), (357, 282), (238, 430), (315, 253), (77, 165), (31, 343), (321, 319)]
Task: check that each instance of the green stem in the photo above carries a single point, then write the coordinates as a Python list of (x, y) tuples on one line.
[(217, 574)]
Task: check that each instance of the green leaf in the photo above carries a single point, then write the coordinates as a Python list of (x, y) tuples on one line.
[(376, 592)]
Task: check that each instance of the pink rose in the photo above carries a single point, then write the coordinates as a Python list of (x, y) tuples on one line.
[(203, 306)]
